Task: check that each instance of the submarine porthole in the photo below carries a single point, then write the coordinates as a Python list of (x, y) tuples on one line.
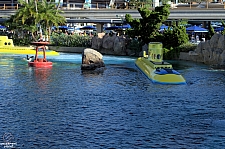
[(158, 56), (5, 43)]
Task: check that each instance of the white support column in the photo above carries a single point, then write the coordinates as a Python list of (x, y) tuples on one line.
[(155, 3), (99, 28)]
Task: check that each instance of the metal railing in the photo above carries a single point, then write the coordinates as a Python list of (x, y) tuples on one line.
[(9, 6), (71, 6), (124, 5)]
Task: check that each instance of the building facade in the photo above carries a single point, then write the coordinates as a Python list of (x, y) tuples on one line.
[(8, 1)]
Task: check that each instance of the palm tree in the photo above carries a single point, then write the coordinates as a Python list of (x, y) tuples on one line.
[(35, 13), (49, 16), (23, 20)]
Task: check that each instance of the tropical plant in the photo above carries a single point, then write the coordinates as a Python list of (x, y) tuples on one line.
[(211, 31), (174, 36), (186, 47), (147, 27), (182, 22), (223, 24), (33, 15), (174, 52), (135, 45), (49, 16), (60, 39)]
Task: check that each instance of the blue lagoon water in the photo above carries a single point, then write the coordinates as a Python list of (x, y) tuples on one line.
[(112, 108)]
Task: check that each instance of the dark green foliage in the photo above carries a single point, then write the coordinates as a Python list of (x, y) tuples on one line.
[(147, 27), (174, 52), (186, 47), (30, 16), (75, 40), (135, 46), (169, 53), (223, 24), (22, 41), (211, 31), (174, 36)]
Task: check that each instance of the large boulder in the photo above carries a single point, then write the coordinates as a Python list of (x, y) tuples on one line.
[(222, 58), (119, 45), (108, 41), (96, 42), (91, 59), (214, 41), (211, 52), (110, 44)]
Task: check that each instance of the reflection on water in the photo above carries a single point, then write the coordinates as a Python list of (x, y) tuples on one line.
[(93, 73), (112, 107), (42, 77)]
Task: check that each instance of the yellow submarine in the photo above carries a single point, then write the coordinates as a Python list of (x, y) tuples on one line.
[(7, 47), (157, 70)]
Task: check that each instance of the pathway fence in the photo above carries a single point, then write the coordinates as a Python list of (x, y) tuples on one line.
[(188, 4)]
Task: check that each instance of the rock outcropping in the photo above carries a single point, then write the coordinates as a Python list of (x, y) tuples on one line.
[(91, 59), (210, 52), (111, 44)]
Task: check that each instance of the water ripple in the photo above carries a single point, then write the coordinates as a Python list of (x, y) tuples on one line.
[(114, 107)]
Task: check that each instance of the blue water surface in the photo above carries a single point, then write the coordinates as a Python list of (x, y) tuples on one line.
[(116, 107)]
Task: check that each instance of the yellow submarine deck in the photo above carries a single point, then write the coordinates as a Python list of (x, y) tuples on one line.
[(7, 47), (25, 51), (159, 72)]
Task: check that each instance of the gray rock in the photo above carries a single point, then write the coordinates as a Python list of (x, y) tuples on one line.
[(91, 59), (110, 44), (210, 52)]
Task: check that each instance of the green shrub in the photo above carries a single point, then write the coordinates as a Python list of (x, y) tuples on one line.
[(60, 39), (186, 47), (169, 53), (173, 53), (135, 45), (22, 41)]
